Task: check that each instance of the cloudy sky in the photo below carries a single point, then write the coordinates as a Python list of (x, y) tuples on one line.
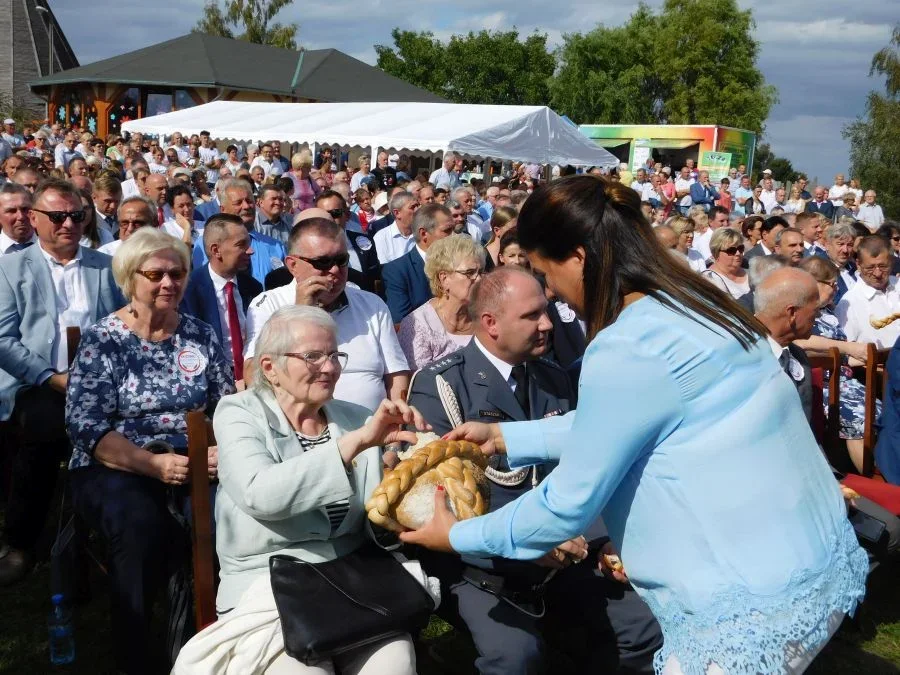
[(816, 53)]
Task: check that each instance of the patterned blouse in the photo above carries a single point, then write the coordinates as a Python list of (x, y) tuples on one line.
[(142, 389), (424, 339)]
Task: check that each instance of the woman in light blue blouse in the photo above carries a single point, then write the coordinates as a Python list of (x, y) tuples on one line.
[(736, 536)]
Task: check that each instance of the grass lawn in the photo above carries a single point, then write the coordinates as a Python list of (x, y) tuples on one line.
[(872, 647)]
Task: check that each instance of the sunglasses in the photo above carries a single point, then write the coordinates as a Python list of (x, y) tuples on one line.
[(155, 276), (325, 263), (59, 217), (733, 250), (335, 213)]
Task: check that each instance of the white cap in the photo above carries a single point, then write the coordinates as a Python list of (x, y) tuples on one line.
[(767, 170), (392, 160), (380, 201), (9, 120)]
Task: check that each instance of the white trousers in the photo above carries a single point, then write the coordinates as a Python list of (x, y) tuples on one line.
[(396, 656)]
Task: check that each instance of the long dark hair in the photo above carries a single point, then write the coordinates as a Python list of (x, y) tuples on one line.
[(622, 255)]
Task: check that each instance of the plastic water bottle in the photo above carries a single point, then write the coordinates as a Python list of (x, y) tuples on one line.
[(60, 629)]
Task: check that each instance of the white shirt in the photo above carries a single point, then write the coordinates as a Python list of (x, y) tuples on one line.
[(681, 184), (696, 261), (871, 215), (222, 303), (265, 164), (365, 332), (444, 178), (861, 304), (767, 197), (103, 234), (484, 226), (6, 243), (701, 244), (130, 189), (111, 248), (157, 168), (391, 244), (171, 226), (72, 305), (504, 368), (208, 155), (836, 193), (357, 179)]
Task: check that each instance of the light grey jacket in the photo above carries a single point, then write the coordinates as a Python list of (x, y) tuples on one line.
[(272, 495), (28, 318)]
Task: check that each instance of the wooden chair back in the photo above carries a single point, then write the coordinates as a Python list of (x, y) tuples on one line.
[(876, 386), (831, 426), (200, 436)]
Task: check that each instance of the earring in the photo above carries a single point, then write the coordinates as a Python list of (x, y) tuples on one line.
[(131, 310)]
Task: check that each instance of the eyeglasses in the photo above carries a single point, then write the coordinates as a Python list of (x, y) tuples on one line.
[(59, 217), (325, 263), (130, 224), (868, 269), (832, 284), (733, 250), (471, 274), (316, 359), (155, 276), (335, 213)]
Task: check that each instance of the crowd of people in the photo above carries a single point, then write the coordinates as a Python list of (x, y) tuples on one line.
[(319, 313)]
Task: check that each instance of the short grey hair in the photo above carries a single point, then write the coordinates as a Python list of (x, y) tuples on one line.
[(226, 184), (459, 191), (426, 218), (149, 206), (452, 204), (10, 188), (722, 239), (786, 230), (143, 244), (839, 231), (763, 265), (279, 333), (401, 199)]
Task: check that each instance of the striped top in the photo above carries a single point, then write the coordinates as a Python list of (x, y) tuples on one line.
[(338, 510)]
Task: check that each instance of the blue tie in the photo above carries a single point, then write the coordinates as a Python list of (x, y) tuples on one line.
[(19, 247)]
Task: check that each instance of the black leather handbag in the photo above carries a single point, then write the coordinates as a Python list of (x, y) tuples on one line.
[(358, 599)]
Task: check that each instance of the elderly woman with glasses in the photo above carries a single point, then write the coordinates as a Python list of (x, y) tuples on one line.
[(442, 325), (827, 333), (296, 469), (137, 372), (727, 271)]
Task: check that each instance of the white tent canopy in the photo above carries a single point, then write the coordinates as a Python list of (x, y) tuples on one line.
[(523, 133)]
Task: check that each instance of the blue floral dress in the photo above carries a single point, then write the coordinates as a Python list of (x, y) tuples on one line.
[(853, 392), (142, 389)]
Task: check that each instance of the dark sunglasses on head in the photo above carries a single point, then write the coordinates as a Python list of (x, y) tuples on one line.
[(733, 250), (59, 217), (325, 263), (156, 276), (335, 213)]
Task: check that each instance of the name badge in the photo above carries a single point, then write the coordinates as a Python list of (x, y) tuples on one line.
[(364, 243), (493, 414), (796, 370), (554, 413), (190, 361)]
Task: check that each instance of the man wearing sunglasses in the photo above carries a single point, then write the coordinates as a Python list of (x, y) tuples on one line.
[(45, 289), (318, 262), (365, 267)]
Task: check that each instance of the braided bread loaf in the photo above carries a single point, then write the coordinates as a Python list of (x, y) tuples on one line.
[(405, 497)]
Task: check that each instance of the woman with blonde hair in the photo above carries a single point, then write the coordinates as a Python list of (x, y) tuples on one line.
[(727, 271), (305, 188), (795, 203), (442, 325), (684, 227)]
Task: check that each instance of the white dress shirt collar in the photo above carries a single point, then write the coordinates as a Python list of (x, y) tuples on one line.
[(504, 368), (218, 280), (422, 252), (869, 292), (8, 242), (53, 261)]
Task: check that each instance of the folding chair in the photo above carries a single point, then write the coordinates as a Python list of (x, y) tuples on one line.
[(876, 386), (200, 436)]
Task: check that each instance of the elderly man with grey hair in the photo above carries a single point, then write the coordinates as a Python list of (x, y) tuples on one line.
[(133, 213), (396, 240), (236, 198), (465, 196), (446, 176), (405, 282), (839, 240)]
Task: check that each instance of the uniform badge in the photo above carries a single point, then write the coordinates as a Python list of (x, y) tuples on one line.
[(482, 375), (364, 243), (554, 413), (493, 414), (190, 361)]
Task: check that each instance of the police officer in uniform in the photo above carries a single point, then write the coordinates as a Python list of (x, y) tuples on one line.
[(514, 609)]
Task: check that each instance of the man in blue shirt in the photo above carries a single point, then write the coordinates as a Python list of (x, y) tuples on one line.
[(742, 194), (703, 193), (236, 197)]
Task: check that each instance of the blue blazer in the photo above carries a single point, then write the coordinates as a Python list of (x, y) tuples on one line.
[(826, 208), (405, 284), (699, 195), (887, 448), (200, 297), (28, 318)]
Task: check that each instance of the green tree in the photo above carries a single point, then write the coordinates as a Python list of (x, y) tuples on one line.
[(874, 141), (782, 169), (485, 67), (255, 17), (608, 76), (692, 63)]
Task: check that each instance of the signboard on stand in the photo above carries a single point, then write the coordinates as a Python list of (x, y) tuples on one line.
[(717, 163), (640, 153)]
